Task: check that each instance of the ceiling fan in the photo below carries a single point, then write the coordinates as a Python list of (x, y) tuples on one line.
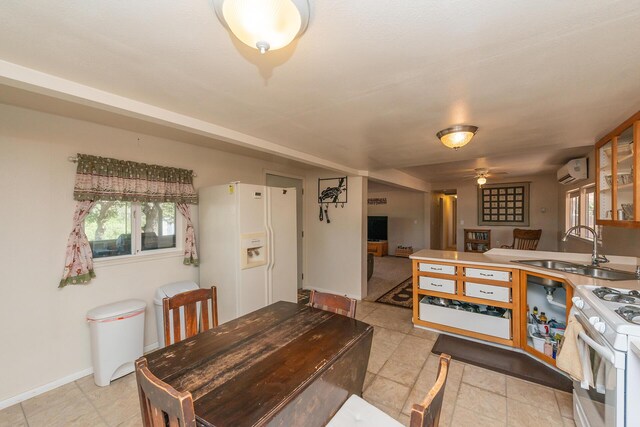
[(481, 175)]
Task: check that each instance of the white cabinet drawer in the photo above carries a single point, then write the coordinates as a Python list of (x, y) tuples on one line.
[(439, 285), (437, 268), (474, 322), (481, 273), (495, 293)]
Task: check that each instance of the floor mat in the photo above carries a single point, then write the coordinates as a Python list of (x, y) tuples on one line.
[(401, 295), (501, 360)]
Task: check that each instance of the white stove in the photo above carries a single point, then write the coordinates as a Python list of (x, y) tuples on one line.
[(611, 321)]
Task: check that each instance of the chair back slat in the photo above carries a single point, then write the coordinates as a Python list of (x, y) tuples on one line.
[(188, 318), (427, 413), (160, 403), (334, 303)]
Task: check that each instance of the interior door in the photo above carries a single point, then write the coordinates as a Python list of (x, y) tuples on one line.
[(282, 268)]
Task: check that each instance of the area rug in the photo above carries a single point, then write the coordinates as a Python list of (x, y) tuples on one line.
[(501, 360), (401, 295)]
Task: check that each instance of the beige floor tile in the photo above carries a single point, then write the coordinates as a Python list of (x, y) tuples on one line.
[(76, 412), (565, 403), (12, 416), (87, 384), (363, 308), (485, 379), (463, 417), (135, 421), (392, 412), (52, 399), (399, 372), (404, 419), (378, 357), (530, 393), (427, 376), (525, 415), (394, 320), (117, 402), (387, 337), (482, 401), (387, 392), (568, 422), (423, 333), (368, 379), (417, 396)]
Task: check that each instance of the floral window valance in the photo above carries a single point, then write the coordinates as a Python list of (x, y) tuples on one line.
[(101, 178)]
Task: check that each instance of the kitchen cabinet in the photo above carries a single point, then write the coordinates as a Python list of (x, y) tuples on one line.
[(442, 292), (534, 291), (617, 163), (477, 240)]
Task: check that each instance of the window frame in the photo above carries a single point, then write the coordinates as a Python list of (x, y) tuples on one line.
[(137, 254), (581, 193)]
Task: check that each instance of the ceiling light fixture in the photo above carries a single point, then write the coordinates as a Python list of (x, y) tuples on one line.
[(264, 24), (481, 180), (457, 136)]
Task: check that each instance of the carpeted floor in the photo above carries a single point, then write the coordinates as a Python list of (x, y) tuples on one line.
[(400, 296), (388, 272)]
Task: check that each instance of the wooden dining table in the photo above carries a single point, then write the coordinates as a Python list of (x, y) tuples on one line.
[(283, 365)]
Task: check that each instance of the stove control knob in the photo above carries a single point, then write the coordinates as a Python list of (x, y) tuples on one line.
[(594, 319), (600, 327), (577, 301)]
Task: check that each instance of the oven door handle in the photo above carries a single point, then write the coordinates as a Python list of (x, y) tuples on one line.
[(603, 351)]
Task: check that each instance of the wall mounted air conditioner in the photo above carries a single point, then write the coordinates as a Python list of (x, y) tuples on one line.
[(574, 170)]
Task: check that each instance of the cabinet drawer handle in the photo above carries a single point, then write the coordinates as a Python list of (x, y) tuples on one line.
[(486, 292), (486, 275), (435, 284), (436, 269)]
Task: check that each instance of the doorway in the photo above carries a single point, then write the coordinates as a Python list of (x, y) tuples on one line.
[(273, 180), (444, 211)]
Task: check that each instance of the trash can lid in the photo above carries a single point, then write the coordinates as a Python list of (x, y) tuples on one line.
[(172, 289), (117, 309)]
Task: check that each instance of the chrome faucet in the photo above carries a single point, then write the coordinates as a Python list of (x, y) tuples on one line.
[(595, 258)]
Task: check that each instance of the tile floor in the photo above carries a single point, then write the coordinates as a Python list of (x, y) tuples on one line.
[(401, 370)]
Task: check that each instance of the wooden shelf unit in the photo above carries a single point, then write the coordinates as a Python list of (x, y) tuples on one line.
[(477, 240), (460, 278), (378, 248)]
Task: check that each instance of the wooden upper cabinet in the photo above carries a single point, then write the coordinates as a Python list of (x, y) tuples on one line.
[(617, 162)]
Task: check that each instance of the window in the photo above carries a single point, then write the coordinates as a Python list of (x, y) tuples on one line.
[(581, 205), (116, 228)]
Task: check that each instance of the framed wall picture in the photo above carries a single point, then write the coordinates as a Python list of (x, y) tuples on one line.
[(504, 204)]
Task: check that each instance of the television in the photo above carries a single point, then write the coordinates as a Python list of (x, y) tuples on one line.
[(376, 228)]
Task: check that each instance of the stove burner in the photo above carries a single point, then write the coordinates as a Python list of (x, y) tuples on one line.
[(604, 292), (629, 313), (634, 293), (624, 299)]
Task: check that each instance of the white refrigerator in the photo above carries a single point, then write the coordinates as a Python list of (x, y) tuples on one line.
[(248, 246)]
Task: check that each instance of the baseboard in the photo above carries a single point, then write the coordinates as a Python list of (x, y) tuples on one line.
[(57, 383), (332, 291), (45, 388)]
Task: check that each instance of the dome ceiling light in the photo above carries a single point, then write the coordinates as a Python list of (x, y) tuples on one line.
[(481, 176), (457, 136), (264, 24)]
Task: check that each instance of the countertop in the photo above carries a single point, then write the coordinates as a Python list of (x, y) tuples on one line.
[(505, 257)]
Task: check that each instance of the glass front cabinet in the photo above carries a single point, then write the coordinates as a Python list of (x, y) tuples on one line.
[(617, 162)]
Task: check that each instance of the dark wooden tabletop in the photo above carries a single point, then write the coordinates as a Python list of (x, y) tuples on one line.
[(246, 370)]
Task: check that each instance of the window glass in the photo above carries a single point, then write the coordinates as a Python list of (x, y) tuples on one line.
[(590, 207), (108, 228), (158, 226), (573, 210)]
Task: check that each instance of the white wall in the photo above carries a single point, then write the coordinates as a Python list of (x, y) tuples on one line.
[(543, 195), (615, 240), (341, 245), (405, 210), (44, 335)]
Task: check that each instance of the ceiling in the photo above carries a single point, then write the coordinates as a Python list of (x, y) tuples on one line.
[(370, 83)]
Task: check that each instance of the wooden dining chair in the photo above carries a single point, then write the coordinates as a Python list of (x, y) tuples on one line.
[(524, 239), (196, 311), (334, 303), (427, 413), (161, 404), (358, 412)]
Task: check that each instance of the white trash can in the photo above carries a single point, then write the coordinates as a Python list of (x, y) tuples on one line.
[(165, 291), (117, 339)]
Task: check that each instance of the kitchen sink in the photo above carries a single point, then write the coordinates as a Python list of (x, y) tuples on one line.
[(583, 270)]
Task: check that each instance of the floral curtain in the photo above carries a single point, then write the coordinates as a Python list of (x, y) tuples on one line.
[(101, 178), (78, 264), (190, 252)]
